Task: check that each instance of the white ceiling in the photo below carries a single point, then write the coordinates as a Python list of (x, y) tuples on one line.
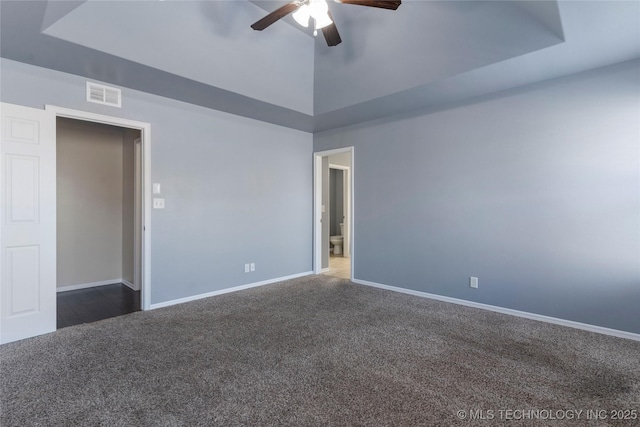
[(425, 55)]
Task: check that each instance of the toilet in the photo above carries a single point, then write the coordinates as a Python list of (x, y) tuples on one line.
[(336, 241)]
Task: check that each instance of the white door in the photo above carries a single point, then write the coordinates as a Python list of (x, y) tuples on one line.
[(28, 218)]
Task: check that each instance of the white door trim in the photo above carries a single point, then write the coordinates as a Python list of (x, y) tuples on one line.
[(137, 215), (317, 207), (145, 135), (317, 213)]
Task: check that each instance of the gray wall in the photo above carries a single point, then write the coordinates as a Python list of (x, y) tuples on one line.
[(95, 199), (231, 185), (536, 191), (89, 202)]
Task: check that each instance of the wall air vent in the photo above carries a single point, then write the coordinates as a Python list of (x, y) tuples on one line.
[(101, 94)]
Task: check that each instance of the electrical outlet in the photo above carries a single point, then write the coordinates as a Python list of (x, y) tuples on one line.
[(473, 282), (253, 266), (246, 268), (158, 203)]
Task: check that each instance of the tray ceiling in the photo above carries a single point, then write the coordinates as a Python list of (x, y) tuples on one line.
[(425, 55)]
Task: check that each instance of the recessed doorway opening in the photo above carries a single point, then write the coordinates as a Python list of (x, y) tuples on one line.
[(98, 206), (333, 213), (131, 290)]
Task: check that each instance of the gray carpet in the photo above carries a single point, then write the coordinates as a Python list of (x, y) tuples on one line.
[(317, 351)]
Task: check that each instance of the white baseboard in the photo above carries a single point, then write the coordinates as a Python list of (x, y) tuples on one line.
[(88, 285), (228, 290), (518, 313), (128, 284)]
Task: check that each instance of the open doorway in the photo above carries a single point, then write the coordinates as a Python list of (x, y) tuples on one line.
[(333, 213), (98, 191)]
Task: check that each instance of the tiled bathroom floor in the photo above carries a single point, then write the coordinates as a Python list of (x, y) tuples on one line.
[(339, 267)]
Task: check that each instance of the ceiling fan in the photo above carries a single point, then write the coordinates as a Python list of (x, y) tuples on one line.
[(304, 10)]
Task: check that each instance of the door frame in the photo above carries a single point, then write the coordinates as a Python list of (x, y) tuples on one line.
[(145, 218), (137, 213), (317, 207)]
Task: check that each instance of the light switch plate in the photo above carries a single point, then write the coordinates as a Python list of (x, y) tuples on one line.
[(156, 188), (158, 203)]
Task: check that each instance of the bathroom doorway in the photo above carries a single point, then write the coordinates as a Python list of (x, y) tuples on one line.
[(339, 261), (333, 213)]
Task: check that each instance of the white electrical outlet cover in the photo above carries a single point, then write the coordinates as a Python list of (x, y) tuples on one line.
[(158, 203), (473, 282)]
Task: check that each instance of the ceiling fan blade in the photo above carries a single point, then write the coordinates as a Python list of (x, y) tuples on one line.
[(331, 34), (275, 16), (382, 4)]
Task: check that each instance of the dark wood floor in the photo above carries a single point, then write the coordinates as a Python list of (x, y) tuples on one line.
[(92, 304)]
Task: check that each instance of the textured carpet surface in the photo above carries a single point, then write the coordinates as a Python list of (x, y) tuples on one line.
[(319, 351)]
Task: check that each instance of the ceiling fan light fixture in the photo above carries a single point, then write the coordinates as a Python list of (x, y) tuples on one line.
[(302, 15), (318, 8), (304, 10), (322, 21)]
